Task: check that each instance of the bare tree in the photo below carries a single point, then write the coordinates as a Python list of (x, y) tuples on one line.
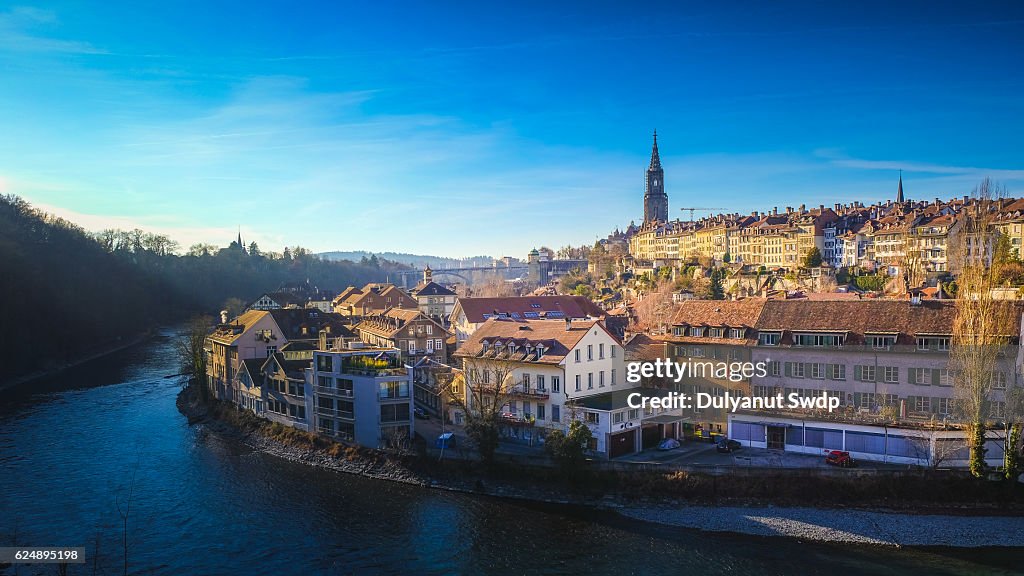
[(980, 328), (654, 311), (124, 515), (191, 349), (486, 385)]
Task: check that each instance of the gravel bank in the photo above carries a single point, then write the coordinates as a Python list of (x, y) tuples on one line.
[(853, 526)]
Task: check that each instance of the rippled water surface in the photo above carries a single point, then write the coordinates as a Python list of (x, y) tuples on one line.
[(70, 446)]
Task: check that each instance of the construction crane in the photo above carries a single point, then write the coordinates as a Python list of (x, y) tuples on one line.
[(692, 210)]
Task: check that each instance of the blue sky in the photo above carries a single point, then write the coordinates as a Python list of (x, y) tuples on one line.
[(461, 128)]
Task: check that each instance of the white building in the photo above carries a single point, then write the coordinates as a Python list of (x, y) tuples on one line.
[(556, 371)]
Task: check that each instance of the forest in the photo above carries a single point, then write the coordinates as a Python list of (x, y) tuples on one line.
[(66, 293)]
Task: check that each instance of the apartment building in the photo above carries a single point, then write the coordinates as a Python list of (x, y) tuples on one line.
[(886, 363), (373, 298), (708, 331), (410, 330), (361, 395)]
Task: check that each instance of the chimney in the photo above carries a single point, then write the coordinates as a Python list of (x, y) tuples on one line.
[(568, 324), (803, 207), (965, 199), (821, 207), (223, 316), (775, 211)]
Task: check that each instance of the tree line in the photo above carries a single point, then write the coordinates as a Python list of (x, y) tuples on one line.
[(66, 293)]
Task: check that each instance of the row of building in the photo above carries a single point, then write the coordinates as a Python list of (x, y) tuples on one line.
[(889, 236)]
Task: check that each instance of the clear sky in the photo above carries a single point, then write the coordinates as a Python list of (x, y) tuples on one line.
[(466, 128)]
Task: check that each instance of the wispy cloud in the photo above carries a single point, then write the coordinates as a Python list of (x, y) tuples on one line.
[(24, 29)]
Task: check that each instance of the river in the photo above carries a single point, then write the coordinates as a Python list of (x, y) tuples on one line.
[(70, 446)]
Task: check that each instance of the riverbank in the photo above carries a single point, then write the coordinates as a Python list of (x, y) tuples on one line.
[(102, 351), (966, 528)]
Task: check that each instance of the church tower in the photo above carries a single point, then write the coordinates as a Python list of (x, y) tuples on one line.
[(655, 199)]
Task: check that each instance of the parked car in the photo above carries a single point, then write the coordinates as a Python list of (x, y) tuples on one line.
[(668, 444), (727, 445), (840, 458), (420, 413)]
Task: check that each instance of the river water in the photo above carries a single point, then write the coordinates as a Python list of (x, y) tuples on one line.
[(71, 445)]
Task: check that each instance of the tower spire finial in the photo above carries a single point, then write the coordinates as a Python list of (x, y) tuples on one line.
[(655, 158), (899, 191)]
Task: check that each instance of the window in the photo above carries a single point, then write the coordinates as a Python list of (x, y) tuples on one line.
[(867, 373), (818, 340), (715, 332), (817, 371), (526, 382), (774, 368), (881, 342), (578, 383), (324, 363), (430, 329), (998, 409), (600, 351), (271, 350), (837, 371), (697, 351), (696, 332), (921, 376), (945, 377), (593, 418), (577, 355), (891, 374), (680, 350), (590, 352), (612, 350), (613, 376), (399, 389), (634, 413), (556, 384), (540, 382), (922, 404), (999, 380), (394, 412), (933, 343), (345, 386), (590, 380), (736, 333), (768, 339), (618, 417), (556, 413), (945, 405), (324, 381), (798, 370), (540, 411), (600, 379)]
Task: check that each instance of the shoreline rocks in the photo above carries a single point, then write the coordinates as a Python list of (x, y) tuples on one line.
[(843, 525)]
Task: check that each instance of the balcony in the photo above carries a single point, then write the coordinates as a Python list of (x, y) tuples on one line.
[(327, 391), (366, 366), (523, 392), (335, 413)]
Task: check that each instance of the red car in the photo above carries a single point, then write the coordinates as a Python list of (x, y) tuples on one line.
[(840, 458)]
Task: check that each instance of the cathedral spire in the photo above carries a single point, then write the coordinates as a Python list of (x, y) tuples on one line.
[(899, 191), (240, 237), (655, 159)]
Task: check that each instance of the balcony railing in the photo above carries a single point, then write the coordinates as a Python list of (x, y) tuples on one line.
[(335, 413), (326, 391)]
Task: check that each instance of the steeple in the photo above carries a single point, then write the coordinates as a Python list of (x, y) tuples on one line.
[(240, 245), (655, 159), (899, 191), (655, 199)]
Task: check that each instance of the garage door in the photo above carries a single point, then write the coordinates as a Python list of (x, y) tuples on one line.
[(651, 437), (622, 443)]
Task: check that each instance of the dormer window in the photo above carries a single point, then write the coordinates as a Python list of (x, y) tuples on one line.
[(696, 332), (736, 333), (769, 338), (678, 330), (881, 341)]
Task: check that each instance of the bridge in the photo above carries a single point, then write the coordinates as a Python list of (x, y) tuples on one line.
[(409, 278)]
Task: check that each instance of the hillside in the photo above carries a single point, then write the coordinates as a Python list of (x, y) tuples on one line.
[(66, 293)]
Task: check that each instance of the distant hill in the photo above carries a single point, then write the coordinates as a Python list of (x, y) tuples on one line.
[(414, 260)]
